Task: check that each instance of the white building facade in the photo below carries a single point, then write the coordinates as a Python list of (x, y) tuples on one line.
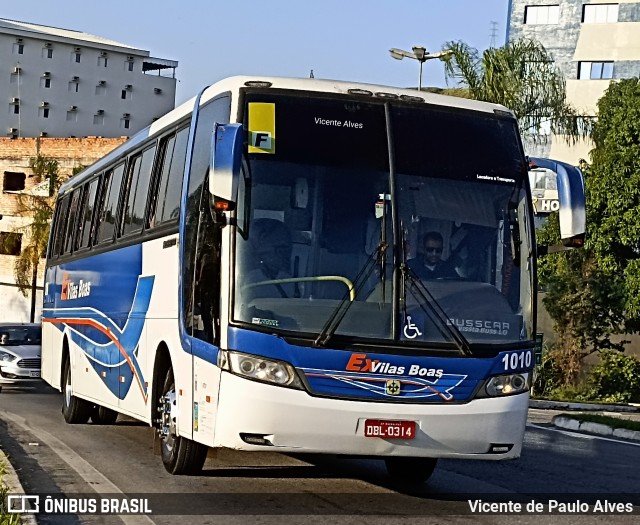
[(593, 42), (63, 83)]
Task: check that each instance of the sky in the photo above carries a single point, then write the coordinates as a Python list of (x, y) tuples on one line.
[(337, 39)]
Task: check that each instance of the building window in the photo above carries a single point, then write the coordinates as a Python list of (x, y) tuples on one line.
[(10, 243), (103, 59), (73, 84), (76, 57), (18, 48), (101, 88), (72, 114), (13, 181), (16, 109), (123, 94), (44, 110), (98, 118), (595, 70), (599, 13), (47, 83), (541, 14), (125, 123), (129, 65), (47, 52)]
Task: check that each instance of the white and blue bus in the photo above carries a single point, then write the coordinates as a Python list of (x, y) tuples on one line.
[(250, 272)]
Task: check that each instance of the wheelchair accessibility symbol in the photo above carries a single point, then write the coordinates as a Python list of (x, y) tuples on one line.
[(411, 330)]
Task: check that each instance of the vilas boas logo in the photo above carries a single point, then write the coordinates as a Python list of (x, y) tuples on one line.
[(73, 290)]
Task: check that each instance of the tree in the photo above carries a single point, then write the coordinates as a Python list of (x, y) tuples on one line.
[(521, 76), (586, 305), (614, 192), (594, 293), (39, 209)]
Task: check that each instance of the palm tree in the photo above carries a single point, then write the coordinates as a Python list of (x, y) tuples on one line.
[(523, 77)]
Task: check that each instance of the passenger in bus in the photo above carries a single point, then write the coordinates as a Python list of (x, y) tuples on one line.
[(429, 265), (270, 244)]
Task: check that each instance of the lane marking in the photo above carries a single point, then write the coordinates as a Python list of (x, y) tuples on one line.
[(93, 477), (583, 436)]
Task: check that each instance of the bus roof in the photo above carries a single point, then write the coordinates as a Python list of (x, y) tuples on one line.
[(233, 84)]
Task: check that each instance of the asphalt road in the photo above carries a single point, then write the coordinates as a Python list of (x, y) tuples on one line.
[(238, 487)]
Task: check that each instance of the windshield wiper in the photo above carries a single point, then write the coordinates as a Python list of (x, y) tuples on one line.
[(336, 317), (434, 311)]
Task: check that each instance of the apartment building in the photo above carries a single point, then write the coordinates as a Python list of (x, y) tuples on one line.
[(64, 83), (593, 42)]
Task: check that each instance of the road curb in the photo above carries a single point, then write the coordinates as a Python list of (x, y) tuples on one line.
[(14, 486), (583, 407), (569, 423)]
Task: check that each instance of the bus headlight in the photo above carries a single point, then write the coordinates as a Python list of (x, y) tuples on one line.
[(259, 369), (505, 385)]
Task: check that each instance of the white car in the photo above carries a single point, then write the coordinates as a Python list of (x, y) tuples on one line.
[(20, 347)]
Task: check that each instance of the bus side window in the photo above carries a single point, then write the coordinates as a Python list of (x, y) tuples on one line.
[(164, 205), (109, 204), (60, 226), (136, 191), (71, 223), (86, 219)]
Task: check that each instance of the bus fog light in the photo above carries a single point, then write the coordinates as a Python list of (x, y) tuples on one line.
[(505, 385), (261, 369)]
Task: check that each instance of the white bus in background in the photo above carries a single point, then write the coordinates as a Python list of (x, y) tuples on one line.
[(246, 273)]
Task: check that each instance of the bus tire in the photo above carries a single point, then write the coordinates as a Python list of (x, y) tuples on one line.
[(74, 409), (179, 454), (103, 416), (410, 471)]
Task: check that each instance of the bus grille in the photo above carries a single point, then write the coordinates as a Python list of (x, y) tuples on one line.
[(29, 363)]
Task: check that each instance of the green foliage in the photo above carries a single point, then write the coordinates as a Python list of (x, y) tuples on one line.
[(615, 379), (5, 517), (594, 293), (585, 302), (522, 76), (549, 376), (614, 193), (77, 169)]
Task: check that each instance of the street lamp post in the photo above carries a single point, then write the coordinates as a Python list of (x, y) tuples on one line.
[(420, 54)]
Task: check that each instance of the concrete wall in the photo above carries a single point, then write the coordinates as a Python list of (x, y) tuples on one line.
[(570, 42)]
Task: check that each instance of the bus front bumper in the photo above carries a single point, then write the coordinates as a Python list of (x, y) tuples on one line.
[(288, 420)]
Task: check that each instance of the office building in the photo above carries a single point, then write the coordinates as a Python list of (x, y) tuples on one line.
[(63, 83), (592, 42)]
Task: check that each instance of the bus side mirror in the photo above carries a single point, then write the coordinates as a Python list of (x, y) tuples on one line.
[(572, 212), (226, 160)]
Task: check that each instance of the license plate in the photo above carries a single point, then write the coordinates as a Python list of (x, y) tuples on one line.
[(381, 428), (34, 373)]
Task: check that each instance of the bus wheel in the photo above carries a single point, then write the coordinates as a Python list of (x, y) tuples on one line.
[(103, 416), (411, 471), (74, 410), (179, 455)]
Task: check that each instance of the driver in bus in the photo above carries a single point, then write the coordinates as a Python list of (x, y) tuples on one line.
[(430, 264)]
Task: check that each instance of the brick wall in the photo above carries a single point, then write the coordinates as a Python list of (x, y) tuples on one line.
[(14, 157)]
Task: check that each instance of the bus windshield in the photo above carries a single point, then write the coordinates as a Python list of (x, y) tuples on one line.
[(315, 207)]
